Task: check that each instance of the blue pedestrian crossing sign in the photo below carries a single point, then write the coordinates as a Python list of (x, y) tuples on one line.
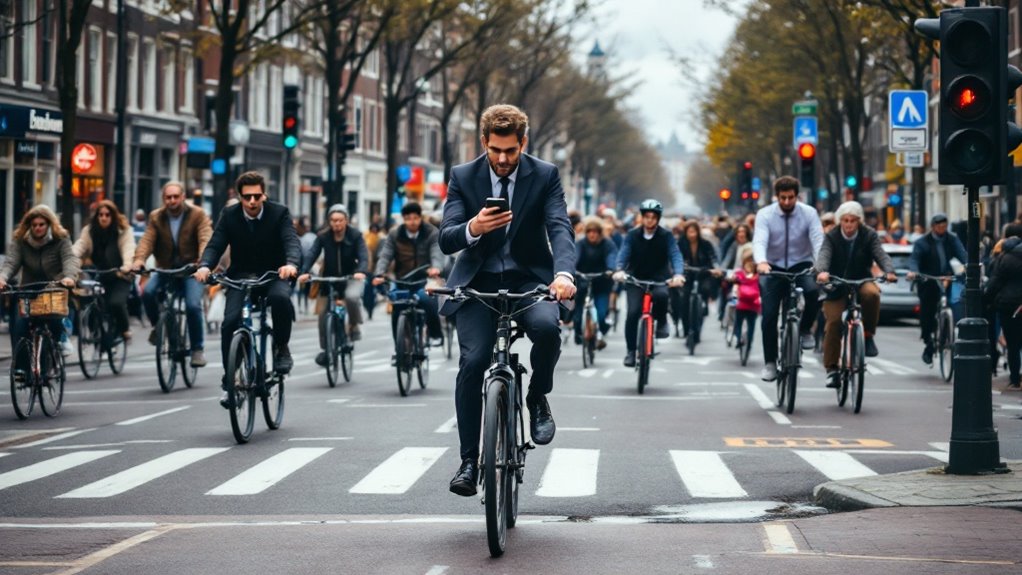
[(908, 118), (805, 129)]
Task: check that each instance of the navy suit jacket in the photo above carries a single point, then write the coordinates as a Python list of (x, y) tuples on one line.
[(542, 240)]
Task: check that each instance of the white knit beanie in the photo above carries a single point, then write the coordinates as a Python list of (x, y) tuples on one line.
[(849, 208)]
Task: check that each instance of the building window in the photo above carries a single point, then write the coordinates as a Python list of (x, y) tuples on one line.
[(357, 123), (187, 80), (371, 132), (276, 98), (169, 99), (7, 43), (95, 64), (48, 52), (132, 68), (28, 42), (149, 78), (80, 76), (111, 73)]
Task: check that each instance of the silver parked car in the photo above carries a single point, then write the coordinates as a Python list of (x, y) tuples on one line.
[(898, 299)]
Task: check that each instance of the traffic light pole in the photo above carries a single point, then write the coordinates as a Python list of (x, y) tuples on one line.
[(974, 446)]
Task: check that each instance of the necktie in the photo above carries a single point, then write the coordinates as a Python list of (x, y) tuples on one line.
[(503, 189), (251, 225), (787, 220)]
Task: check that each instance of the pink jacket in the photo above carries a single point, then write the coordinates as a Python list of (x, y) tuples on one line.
[(748, 292)]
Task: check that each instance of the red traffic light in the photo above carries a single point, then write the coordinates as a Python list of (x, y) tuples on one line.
[(725, 194), (755, 195), (970, 97), (745, 195), (290, 122), (806, 151), (747, 165)]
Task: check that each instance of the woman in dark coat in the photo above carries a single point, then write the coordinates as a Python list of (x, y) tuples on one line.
[(697, 252), (1004, 295)]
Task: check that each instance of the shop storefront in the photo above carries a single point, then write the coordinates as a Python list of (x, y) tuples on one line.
[(29, 139), (155, 151), (310, 190)]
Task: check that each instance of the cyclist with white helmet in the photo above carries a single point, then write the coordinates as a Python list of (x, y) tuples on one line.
[(649, 252)]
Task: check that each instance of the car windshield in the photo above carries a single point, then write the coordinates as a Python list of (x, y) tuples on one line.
[(900, 261)]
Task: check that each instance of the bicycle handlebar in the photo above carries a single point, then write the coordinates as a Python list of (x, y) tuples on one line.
[(23, 289), (330, 279), (593, 275), (266, 279), (630, 279), (927, 277), (790, 275), (540, 293), (185, 270), (842, 281)]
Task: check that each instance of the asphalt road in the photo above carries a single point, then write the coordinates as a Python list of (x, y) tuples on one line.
[(704, 444)]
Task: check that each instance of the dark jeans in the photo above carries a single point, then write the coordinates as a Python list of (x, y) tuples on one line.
[(1012, 328), (635, 310), (426, 303), (278, 298), (929, 303), (477, 330), (193, 306), (117, 291), (746, 317), (706, 289), (773, 291), (19, 328)]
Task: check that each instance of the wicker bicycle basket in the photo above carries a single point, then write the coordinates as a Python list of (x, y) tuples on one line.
[(49, 304)]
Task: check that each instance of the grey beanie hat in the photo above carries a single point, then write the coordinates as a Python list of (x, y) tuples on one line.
[(938, 218), (337, 208), (849, 208)]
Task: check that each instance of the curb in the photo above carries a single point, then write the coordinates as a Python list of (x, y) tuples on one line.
[(834, 496)]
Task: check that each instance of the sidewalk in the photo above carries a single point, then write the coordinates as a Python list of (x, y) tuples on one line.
[(923, 488)]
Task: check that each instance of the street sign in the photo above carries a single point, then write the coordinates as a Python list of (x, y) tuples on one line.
[(804, 108), (908, 120), (911, 159), (804, 130)]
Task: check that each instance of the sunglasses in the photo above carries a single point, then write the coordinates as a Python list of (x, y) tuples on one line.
[(250, 197)]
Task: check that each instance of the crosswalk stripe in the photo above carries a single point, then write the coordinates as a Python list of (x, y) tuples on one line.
[(874, 370), (587, 372), (705, 474), (4, 454), (835, 465), (269, 472), (152, 416), (893, 367), (50, 467), (141, 474), (570, 473), (941, 445), (400, 471)]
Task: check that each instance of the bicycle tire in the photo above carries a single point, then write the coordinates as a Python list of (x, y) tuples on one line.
[(779, 380), (588, 340), (188, 373), (730, 336), (946, 345), (333, 359), (422, 362), (347, 347), (51, 377), (166, 366), (240, 395), (695, 316), (23, 388), (858, 374), (641, 358), (90, 341), (402, 362), (273, 398), (449, 337), (495, 475), (744, 350), (792, 366), (516, 451), (117, 353), (846, 357)]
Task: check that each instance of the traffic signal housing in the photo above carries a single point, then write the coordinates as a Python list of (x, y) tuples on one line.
[(291, 122), (976, 131), (348, 141), (725, 194), (807, 164)]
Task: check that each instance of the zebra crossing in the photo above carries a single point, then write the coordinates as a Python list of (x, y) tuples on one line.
[(554, 473)]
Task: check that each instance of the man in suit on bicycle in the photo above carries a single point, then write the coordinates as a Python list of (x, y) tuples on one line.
[(175, 235), (848, 252), (528, 245), (262, 238), (649, 253), (932, 255)]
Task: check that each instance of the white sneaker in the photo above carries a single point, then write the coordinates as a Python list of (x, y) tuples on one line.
[(66, 348), (769, 372)]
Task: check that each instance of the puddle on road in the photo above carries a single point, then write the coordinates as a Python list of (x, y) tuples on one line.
[(723, 512)]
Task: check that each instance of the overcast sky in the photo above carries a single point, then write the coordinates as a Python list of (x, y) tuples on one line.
[(636, 34)]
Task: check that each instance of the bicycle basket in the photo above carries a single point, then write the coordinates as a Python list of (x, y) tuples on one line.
[(50, 304)]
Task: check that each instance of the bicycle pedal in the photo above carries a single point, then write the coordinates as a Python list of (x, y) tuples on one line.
[(528, 445)]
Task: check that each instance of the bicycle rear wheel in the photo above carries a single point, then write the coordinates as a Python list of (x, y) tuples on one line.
[(642, 358), (846, 358), (516, 454), (184, 356), (403, 350), (166, 364), (333, 353), (780, 381), (421, 362), (791, 366), (589, 331), (90, 340), (273, 398), (117, 353), (449, 337), (23, 387), (241, 384), (858, 372), (52, 375), (495, 470), (729, 325), (695, 316), (946, 344)]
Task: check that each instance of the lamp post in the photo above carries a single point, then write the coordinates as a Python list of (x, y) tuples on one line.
[(121, 95)]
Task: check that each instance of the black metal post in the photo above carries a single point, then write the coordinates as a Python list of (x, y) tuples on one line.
[(121, 95), (974, 447)]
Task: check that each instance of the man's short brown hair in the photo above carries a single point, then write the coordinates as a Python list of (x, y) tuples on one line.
[(252, 178), (785, 183), (504, 120)]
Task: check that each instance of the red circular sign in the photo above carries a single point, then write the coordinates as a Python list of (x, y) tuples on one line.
[(83, 158)]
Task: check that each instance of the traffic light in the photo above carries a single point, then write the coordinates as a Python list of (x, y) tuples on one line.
[(348, 141), (291, 124), (976, 132), (807, 164), (850, 181), (746, 178), (725, 194)]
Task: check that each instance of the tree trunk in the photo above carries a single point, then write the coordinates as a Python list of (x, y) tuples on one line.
[(223, 107), (392, 120)]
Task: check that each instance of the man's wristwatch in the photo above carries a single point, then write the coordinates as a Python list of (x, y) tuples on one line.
[(570, 277)]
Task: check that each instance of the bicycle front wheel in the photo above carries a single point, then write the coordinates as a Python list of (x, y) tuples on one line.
[(946, 344), (449, 337), (846, 359), (495, 470), (332, 350), (422, 359), (857, 376), (403, 349), (117, 353), (51, 372), (273, 396), (188, 373), (729, 325), (23, 387), (794, 348), (240, 387), (166, 364), (90, 341), (642, 355)]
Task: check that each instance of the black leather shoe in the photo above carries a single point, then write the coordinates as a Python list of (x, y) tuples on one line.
[(663, 331), (928, 355), (834, 380), (322, 359), (465, 480), (282, 362), (871, 348), (630, 359), (541, 421)]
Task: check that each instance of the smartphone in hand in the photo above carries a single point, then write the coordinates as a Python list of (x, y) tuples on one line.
[(499, 203)]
